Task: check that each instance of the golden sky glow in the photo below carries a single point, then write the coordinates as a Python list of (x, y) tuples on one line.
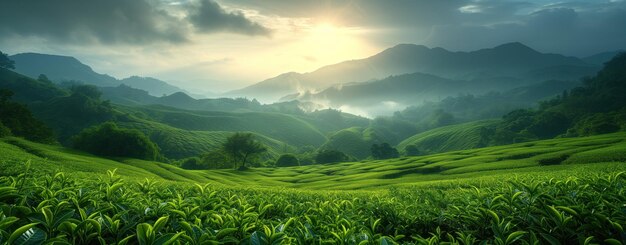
[(303, 48), (220, 45)]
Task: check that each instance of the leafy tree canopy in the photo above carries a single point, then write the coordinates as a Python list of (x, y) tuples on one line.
[(242, 146)]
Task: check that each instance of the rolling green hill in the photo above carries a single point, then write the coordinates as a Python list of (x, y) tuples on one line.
[(178, 133), (283, 127), (179, 143), (561, 157), (28, 90), (350, 141), (450, 138)]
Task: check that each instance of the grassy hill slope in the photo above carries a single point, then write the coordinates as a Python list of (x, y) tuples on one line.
[(283, 127), (179, 143), (561, 157), (450, 138)]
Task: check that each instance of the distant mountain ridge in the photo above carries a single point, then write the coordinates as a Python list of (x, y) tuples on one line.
[(511, 61), (60, 68)]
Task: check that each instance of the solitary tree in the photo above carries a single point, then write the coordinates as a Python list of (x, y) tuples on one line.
[(5, 62), (241, 146)]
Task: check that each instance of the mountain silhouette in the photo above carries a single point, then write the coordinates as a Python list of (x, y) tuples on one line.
[(69, 69), (500, 64)]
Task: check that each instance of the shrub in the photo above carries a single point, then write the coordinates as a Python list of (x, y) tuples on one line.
[(553, 160), (217, 159), (287, 160), (412, 150), (384, 151), (331, 156), (4, 131), (109, 140), (192, 163)]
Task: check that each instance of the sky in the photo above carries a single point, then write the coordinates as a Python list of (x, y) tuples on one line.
[(220, 45)]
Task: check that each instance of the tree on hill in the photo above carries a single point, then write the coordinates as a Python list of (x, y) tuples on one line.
[(5, 62), (68, 115), (384, 151), (331, 156), (242, 146), (287, 160), (109, 140), (19, 121)]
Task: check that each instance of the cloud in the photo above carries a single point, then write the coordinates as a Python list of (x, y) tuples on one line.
[(373, 13), (578, 27), (116, 21), (111, 21), (209, 17), (557, 29)]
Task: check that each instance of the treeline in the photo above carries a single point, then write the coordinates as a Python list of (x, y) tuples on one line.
[(241, 150), (17, 120), (597, 107)]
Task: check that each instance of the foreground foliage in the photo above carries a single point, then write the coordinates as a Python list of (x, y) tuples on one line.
[(115, 210)]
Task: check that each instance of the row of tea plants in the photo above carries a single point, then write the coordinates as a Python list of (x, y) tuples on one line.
[(108, 209)]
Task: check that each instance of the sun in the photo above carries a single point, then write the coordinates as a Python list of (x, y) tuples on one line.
[(325, 28)]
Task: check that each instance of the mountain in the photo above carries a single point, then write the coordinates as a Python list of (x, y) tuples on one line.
[(382, 97), (154, 86), (404, 89), (66, 68), (505, 63), (28, 90), (59, 68), (601, 58), (125, 95)]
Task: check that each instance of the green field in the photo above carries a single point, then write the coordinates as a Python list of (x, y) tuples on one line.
[(554, 191)]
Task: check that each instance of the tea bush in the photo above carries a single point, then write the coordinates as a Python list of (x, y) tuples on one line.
[(108, 209)]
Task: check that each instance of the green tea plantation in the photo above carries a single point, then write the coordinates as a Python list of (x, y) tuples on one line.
[(562, 191)]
